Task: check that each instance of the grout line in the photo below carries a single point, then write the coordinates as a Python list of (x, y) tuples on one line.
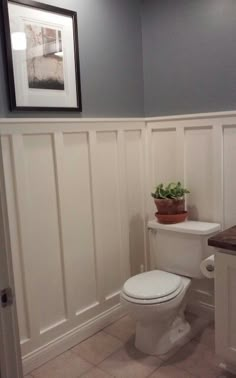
[(97, 364), (85, 372), (163, 362), (122, 316), (105, 371)]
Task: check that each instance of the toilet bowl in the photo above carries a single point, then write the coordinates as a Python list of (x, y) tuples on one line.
[(156, 300)]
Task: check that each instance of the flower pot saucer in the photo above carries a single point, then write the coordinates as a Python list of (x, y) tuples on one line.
[(171, 218)]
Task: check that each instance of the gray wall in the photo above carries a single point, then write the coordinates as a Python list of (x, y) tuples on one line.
[(188, 64), (110, 57), (189, 56)]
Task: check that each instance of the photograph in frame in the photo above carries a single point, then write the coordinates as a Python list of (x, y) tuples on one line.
[(42, 56)]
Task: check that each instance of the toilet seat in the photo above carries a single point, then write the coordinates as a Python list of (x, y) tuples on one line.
[(152, 287)]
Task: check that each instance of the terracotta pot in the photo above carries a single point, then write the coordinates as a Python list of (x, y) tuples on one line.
[(171, 218), (170, 206)]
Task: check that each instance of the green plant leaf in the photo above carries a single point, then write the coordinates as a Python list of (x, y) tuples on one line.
[(171, 190)]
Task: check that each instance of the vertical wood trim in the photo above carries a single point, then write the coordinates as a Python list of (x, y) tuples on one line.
[(22, 204), (124, 225), (98, 255), (180, 152), (149, 188), (144, 191), (58, 153), (218, 177), (150, 170)]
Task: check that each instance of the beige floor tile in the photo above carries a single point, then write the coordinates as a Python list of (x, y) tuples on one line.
[(197, 359), (170, 372), (174, 350), (190, 317), (207, 337), (226, 374), (130, 363), (67, 365), (97, 348), (96, 373), (198, 325), (124, 328)]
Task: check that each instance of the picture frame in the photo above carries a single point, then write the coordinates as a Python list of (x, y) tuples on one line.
[(42, 56)]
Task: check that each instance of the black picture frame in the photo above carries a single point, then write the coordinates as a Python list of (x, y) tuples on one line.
[(14, 102)]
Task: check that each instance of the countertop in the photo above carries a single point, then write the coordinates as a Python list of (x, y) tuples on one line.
[(225, 240)]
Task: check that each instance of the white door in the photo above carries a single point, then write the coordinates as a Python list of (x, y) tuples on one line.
[(10, 356)]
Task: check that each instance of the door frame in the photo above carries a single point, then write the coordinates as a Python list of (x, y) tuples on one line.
[(10, 354)]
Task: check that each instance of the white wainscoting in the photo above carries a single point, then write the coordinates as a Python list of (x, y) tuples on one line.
[(75, 194), (78, 196), (199, 150)]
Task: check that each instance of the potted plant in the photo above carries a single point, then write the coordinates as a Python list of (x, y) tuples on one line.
[(170, 202)]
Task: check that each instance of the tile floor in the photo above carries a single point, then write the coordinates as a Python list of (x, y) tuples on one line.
[(111, 353)]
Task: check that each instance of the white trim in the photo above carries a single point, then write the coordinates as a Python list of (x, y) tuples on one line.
[(176, 117), (70, 120), (199, 304), (57, 346), (49, 126), (99, 266), (202, 310)]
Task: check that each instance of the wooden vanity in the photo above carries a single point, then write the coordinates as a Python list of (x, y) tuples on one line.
[(225, 295)]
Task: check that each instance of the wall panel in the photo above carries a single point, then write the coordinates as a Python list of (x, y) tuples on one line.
[(44, 239), (164, 152), (108, 213), (198, 161), (77, 222), (134, 181)]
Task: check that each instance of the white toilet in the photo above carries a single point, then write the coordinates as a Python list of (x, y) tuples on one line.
[(157, 299)]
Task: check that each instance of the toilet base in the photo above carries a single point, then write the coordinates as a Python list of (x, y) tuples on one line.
[(159, 339)]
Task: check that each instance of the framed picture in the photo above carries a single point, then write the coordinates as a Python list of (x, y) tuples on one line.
[(42, 56)]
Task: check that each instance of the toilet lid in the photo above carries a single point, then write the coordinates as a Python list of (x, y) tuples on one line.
[(152, 285)]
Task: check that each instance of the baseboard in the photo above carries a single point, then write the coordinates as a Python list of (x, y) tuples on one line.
[(55, 347), (201, 304), (202, 309)]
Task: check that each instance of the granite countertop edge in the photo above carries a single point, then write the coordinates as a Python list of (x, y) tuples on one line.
[(224, 240)]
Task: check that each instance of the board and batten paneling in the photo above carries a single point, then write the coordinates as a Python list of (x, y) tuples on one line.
[(78, 197), (191, 151), (198, 150), (70, 203)]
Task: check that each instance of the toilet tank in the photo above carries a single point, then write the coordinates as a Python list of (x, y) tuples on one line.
[(179, 248)]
